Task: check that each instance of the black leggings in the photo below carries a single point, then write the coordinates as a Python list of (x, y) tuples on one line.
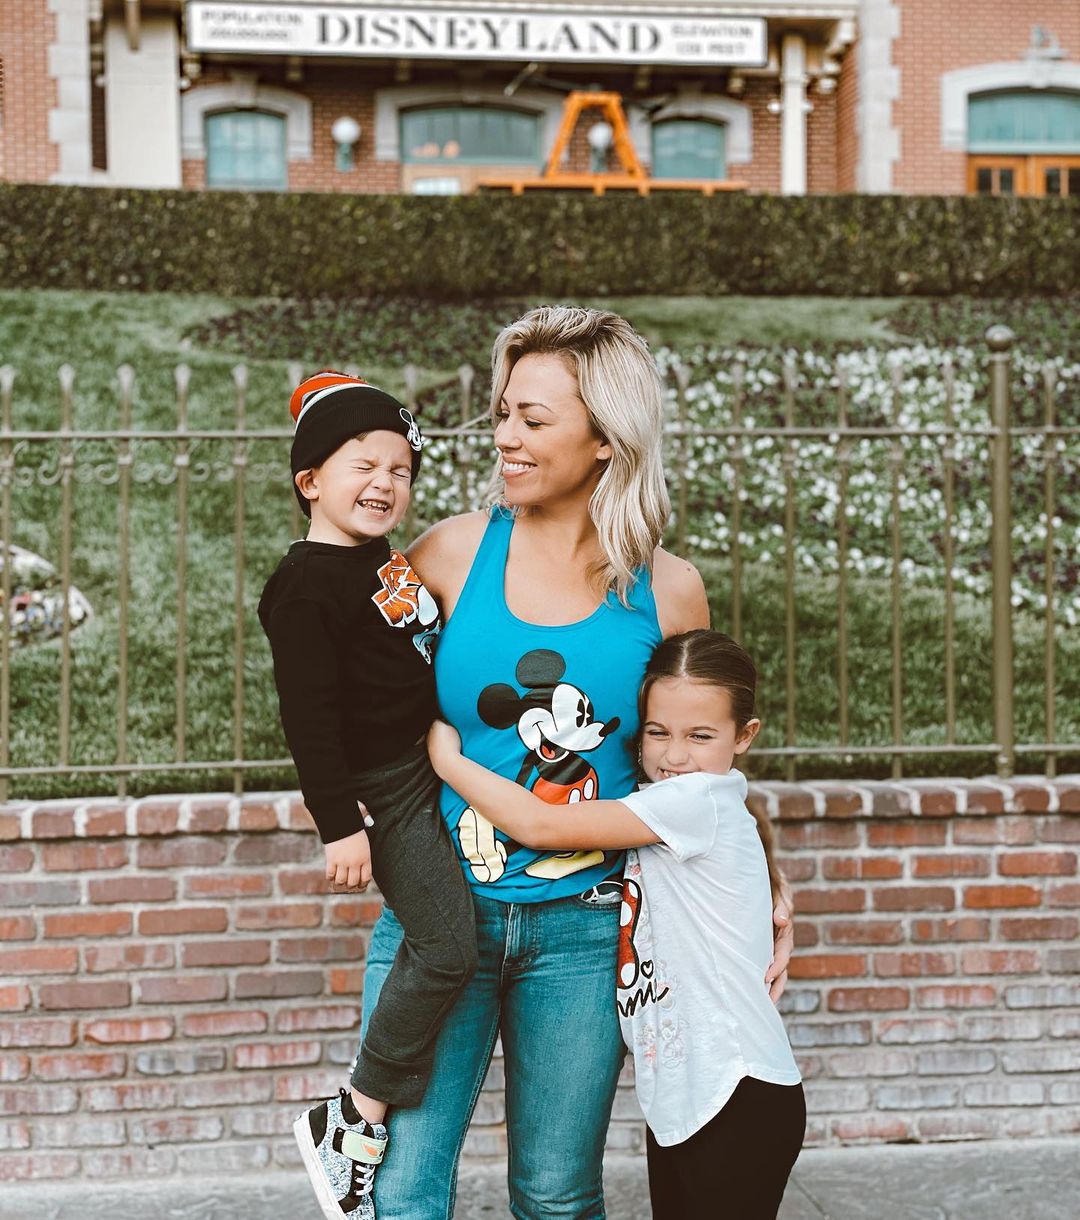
[(737, 1165), (416, 869)]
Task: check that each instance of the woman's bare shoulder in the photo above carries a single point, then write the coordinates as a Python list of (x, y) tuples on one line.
[(681, 601), (673, 574), (444, 553)]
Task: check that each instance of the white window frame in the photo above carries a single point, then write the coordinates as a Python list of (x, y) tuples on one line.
[(735, 117), (244, 92), (390, 102), (957, 88)]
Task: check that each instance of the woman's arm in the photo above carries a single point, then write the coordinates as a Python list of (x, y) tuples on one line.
[(776, 976), (525, 817), (681, 603)]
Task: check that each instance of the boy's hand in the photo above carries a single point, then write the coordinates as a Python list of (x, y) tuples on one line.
[(444, 745), (348, 862)]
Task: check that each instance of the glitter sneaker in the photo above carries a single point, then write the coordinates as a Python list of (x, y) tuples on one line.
[(341, 1153)]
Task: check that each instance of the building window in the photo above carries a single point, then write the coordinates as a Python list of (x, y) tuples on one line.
[(1062, 179), (245, 150), (1024, 142), (477, 135), (1029, 121), (688, 148), (997, 176)]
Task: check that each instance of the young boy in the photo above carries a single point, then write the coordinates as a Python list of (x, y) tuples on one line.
[(352, 630)]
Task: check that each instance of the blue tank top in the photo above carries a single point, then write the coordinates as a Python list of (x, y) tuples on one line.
[(553, 708)]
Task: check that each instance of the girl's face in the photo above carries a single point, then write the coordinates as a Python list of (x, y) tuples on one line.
[(689, 727), (548, 447)]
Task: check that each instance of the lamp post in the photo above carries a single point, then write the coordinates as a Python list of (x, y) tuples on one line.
[(600, 136), (345, 132)]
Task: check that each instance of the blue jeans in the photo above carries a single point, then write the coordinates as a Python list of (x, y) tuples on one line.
[(546, 983)]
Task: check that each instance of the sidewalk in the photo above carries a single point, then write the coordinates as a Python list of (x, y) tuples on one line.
[(1018, 1180)]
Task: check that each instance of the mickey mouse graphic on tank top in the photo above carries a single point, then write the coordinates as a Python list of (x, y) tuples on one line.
[(557, 726)]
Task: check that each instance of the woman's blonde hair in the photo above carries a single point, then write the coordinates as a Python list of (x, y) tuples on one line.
[(621, 388)]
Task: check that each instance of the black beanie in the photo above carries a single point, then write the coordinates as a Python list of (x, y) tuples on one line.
[(331, 408)]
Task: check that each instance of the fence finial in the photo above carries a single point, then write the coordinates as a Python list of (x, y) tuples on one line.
[(999, 338)]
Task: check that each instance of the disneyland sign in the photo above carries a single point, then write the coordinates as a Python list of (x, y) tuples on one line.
[(568, 35)]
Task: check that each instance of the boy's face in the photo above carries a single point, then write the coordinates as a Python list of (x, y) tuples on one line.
[(360, 491)]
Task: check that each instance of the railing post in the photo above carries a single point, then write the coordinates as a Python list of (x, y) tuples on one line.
[(463, 454), (7, 478), (240, 458), (126, 376), (1000, 341), (682, 382)]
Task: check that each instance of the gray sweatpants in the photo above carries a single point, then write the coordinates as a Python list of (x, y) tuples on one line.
[(416, 868)]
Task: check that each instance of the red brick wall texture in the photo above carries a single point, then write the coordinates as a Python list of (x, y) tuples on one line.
[(29, 93), (176, 983), (847, 141)]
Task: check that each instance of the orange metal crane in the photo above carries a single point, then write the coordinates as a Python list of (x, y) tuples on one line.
[(632, 175)]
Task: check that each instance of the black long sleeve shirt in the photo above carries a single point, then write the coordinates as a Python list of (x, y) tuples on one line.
[(352, 631)]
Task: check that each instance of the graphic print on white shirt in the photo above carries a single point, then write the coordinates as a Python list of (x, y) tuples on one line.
[(637, 986), (646, 980)]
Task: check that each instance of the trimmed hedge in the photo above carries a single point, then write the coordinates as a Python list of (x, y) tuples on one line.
[(485, 246)]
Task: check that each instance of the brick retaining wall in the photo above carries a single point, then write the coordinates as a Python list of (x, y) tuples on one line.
[(175, 981)]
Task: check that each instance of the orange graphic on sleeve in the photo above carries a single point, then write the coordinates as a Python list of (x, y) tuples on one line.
[(399, 598)]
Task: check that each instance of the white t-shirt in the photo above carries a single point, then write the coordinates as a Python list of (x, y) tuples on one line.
[(695, 942)]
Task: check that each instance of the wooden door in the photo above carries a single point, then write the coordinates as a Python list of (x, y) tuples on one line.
[(998, 175), (1055, 175)]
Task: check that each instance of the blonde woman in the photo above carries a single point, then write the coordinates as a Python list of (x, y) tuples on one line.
[(553, 600)]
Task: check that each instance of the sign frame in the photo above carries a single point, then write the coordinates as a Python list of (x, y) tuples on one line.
[(486, 31)]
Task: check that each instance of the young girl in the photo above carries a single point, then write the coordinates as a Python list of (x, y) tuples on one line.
[(715, 1075)]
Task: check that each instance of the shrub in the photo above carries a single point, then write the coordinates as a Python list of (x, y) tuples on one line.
[(484, 246)]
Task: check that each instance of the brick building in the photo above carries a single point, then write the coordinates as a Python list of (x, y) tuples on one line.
[(795, 96)]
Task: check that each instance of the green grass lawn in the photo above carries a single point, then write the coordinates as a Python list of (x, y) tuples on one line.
[(685, 322), (97, 332)]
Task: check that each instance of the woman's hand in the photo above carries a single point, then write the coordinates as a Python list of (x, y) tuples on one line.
[(444, 745), (783, 942), (348, 862)]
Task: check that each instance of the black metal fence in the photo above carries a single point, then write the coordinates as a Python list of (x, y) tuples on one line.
[(144, 513)]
